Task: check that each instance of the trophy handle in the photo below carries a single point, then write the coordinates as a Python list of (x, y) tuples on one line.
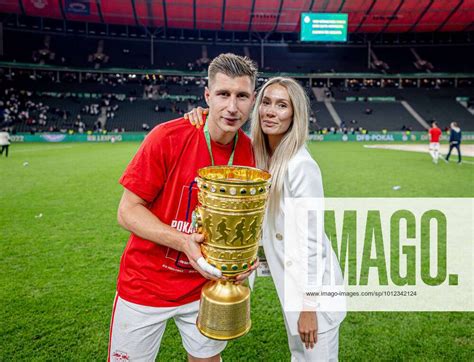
[(197, 220)]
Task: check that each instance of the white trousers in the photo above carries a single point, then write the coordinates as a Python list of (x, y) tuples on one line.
[(136, 331)]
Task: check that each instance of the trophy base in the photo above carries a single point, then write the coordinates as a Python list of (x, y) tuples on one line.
[(224, 312)]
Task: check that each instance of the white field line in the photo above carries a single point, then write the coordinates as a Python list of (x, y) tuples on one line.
[(463, 161), (466, 150), (37, 149)]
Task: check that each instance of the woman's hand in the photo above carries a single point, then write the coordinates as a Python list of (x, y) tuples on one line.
[(195, 116), (308, 328)]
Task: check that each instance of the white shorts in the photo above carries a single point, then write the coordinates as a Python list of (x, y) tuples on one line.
[(136, 331), (434, 146)]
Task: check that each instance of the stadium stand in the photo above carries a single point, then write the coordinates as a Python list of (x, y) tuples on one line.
[(431, 103), (399, 60), (135, 53), (133, 115), (312, 59), (323, 118), (441, 107), (448, 59), (139, 102), (376, 116)]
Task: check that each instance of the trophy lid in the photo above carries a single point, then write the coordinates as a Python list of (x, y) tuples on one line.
[(234, 175)]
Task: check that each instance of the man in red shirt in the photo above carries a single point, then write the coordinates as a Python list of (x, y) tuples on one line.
[(435, 134), (162, 270)]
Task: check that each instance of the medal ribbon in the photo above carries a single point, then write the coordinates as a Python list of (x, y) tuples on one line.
[(208, 141)]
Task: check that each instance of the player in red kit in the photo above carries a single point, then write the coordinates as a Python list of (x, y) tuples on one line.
[(435, 134), (162, 269)]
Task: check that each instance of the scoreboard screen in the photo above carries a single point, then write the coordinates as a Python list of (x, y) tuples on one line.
[(323, 27)]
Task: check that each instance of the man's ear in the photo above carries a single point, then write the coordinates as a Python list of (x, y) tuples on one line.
[(254, 97), (207, 93)]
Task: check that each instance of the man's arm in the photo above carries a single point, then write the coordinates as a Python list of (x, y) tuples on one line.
[(133, 215)]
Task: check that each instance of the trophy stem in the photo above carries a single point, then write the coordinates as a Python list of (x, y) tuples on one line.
[(224, 312)]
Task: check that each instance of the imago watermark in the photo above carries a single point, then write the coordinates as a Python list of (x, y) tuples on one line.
[(379, 254)]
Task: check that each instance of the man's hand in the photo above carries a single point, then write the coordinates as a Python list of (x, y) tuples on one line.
[(194, 116), (308, 328), (192, 249)]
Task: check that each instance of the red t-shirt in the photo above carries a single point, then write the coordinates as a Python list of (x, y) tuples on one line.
[(162, 173), (435, 134)]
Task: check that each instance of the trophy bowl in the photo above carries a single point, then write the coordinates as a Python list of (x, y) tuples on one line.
[(230, 216)]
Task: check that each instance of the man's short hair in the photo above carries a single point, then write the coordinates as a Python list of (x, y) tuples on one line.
[(232, 66), (434, 123)]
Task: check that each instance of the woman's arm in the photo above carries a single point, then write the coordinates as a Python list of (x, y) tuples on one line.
[(305, 181)]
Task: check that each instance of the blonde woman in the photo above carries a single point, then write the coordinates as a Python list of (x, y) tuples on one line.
[(279, 133)]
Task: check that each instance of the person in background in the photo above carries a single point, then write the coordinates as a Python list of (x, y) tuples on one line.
[(435, 134), (455, 137), (4, 143)]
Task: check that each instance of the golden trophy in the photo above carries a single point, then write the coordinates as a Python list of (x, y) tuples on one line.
[(230, 215)]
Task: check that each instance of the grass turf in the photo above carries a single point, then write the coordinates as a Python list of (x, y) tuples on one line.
[(60, 248)]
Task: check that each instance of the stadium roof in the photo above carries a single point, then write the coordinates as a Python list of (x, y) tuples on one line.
[(365, 16)]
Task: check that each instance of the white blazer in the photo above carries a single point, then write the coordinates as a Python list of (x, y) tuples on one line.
[(303, 179)]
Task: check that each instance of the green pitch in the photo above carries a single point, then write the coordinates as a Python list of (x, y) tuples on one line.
[(60, 248)]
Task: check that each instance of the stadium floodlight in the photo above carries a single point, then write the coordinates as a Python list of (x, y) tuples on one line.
[(323, 27)]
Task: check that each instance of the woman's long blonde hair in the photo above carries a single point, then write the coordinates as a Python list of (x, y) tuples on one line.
[(294, 138)]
